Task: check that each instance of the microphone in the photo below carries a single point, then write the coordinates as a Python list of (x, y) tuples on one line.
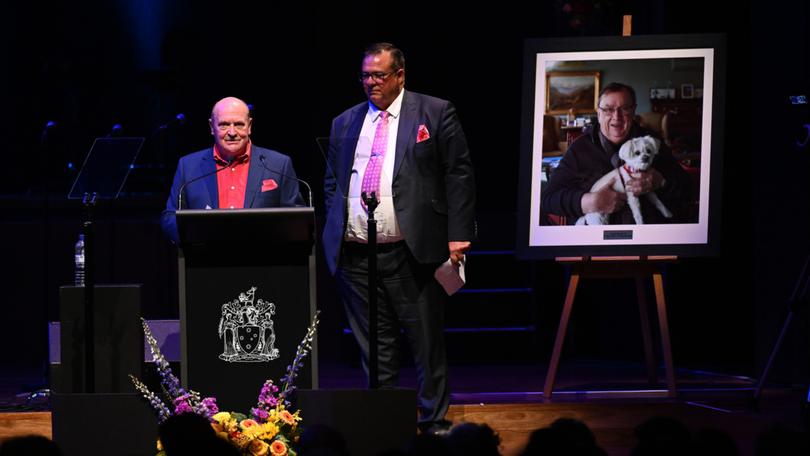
[(323, 143), (49, 126), (179, 119), (309, 189), (183, 187), (116, 131)]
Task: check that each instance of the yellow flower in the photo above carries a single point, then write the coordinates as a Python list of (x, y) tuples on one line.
[(251, 428), (222, 417), (272, 416), (258, 448), (269, 430), (224, 422), (278, 448)]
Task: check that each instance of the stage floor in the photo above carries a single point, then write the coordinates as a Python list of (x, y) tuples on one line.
[(612, 399)]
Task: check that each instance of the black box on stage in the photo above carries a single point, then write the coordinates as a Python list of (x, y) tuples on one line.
[(247, 295), (371, 421), (119, 424), (118, 338)]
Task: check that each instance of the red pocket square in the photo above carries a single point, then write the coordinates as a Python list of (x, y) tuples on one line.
[(423, 134), (269, 184)]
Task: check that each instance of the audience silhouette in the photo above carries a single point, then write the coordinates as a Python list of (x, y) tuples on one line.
[(192, 434), (30, 445)]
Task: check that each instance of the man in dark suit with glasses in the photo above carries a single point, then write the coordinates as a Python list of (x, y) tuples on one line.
[(410, 150)]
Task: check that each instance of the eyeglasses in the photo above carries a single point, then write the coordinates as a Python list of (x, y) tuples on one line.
[(377, 76), (611, 111), (238, 126)]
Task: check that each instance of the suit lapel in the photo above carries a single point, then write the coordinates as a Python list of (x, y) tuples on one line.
[(255, 175), (355, 125), (207, 165), (405, 131)]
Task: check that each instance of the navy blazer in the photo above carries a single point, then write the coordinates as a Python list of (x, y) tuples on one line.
[(433, 185), (203, 193)]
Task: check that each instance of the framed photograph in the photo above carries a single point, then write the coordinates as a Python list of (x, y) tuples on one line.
[(572, 90), (550, 218)]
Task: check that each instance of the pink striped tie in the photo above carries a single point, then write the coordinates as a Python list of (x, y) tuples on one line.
[(371, 177)]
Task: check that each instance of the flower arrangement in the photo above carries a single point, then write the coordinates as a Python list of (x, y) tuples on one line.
[(269, 429)]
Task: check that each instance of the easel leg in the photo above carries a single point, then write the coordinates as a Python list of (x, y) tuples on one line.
[(664, 325), (646, 334), (558, 343)]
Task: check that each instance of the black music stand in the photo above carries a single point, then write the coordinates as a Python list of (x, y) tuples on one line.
[(102, 176), (89, 398)]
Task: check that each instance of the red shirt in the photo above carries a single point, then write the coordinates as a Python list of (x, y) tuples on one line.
[(231, 183)]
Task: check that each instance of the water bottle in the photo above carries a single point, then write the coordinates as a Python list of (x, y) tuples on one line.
[(79, 258)]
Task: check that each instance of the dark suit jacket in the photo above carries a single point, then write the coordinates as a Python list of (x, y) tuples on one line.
[(203, 193), (433, 185)]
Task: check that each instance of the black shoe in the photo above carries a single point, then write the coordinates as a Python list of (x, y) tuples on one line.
[(440, 428)]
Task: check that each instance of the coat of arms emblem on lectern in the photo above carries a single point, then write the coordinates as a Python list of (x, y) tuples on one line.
[(246, 329)]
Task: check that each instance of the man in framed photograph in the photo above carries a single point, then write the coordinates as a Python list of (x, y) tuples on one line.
[(569, 191)]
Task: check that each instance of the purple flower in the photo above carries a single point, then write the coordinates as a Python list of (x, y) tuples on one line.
[(269, 388), (270, 401), (209, 406), (267, 396), (182, 407), (260, 414)]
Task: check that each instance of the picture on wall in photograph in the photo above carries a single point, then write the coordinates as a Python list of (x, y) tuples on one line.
[(572, 91)]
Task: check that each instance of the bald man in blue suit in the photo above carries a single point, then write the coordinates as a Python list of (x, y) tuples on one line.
[(258, 177)]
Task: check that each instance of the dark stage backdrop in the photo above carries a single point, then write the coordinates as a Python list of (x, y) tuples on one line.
[(89, 65)]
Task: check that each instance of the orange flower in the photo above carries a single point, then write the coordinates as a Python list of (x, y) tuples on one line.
[(258, 448), (287, 417), (248, 423), (278, 448)]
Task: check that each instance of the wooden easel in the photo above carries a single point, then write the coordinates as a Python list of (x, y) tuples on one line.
[(620, 267)]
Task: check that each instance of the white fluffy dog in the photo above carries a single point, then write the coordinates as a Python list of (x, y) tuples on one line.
[(638, 155)]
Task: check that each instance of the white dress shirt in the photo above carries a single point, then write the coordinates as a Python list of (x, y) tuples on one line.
[(357, 224)]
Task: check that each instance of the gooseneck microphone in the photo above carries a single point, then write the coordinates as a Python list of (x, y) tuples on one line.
[(49, 126), (183, 187), (309, 189), (179, 119)]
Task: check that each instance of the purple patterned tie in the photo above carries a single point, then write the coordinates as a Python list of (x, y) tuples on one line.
[(371, 177)]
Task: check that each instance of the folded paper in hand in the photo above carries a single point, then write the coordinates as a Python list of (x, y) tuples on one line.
[(451, 277)]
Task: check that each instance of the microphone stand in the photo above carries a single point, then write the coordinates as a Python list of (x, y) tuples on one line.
[(189, 182), (302, 181), (89, 201), (797, 304), (373, 357)]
